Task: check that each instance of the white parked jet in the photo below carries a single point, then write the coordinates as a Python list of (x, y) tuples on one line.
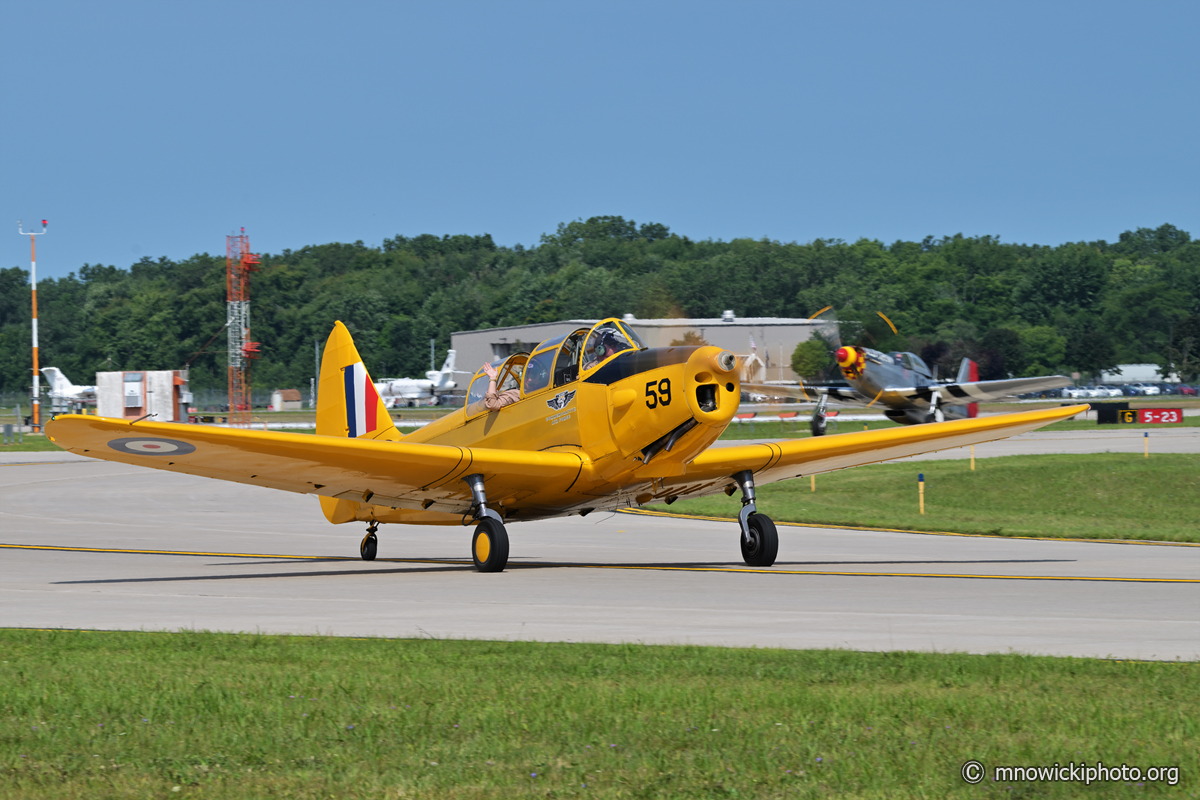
[(418, 392), (63, 393)]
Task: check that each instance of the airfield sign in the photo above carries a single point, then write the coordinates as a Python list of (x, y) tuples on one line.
[(1159, 415)]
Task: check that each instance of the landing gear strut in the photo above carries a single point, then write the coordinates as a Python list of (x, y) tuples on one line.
[(935, 409), (760, 540), (489, 545), (817, 423), (370, 543)]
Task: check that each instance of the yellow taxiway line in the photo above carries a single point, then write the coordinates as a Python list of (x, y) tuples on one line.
[(652, 567), (646, 512)]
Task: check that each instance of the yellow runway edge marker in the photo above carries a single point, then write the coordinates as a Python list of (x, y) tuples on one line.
[(921, 490)]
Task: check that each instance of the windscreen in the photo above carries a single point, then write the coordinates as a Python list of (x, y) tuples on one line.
[(479, 386), (510, 376), (566, 368), (537, 372), (633, 337)]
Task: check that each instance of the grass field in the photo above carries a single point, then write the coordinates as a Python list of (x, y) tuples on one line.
[(1093, 496), (133, 715)]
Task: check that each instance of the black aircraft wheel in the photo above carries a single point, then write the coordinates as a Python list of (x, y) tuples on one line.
[(369, 546), (489, 547), (763, 546)]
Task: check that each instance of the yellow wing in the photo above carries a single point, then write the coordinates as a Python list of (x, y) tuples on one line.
[(424, 478), (398, 481), (776, 461)]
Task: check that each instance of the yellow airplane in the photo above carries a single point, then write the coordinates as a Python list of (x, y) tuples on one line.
[(602, 423)]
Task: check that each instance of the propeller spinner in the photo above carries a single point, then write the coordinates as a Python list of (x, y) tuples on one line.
[(851, 361)]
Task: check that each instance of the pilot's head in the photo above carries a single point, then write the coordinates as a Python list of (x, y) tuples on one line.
[(607, 345), (536, 374)]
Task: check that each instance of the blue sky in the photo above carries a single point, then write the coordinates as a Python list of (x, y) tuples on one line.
[(155, 129)]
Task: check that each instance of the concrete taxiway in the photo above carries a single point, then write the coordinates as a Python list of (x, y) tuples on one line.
[(91, 544)]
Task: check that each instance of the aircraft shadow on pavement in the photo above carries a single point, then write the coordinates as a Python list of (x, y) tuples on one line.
[(258, 575), (679, 564), (426, 567)]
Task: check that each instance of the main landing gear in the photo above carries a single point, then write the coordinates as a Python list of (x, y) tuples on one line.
[(370, 543), (489, 545), (935, 409), (819, 416), (760, 540)]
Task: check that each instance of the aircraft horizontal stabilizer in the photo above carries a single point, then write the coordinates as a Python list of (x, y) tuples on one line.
[(982, 391)]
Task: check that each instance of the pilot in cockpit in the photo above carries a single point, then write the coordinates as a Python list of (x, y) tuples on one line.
[(495, 399), (604, 341)]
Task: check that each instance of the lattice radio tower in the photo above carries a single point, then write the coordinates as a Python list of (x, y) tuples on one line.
[(239, 263)]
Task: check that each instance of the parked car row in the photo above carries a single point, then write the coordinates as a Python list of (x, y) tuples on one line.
[(1084, 392), (1135, 389), (1113, 390), (1044, 394)]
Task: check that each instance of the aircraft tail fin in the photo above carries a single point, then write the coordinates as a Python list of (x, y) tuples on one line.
[(58, 382), (446, 379), (968, 372), (348, 405), (443, 378)]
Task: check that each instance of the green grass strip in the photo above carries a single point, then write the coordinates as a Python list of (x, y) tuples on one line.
[(112, 714), (1090, 496)]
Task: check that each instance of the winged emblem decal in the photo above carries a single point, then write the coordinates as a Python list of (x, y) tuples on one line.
[(560, 400)]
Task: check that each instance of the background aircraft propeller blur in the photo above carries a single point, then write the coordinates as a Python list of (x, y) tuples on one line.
[(900, 383)]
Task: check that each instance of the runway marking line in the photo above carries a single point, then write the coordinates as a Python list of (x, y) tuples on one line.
[(659, 568), (646, 512)]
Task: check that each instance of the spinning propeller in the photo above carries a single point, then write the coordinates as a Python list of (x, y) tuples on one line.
[(850, 358)]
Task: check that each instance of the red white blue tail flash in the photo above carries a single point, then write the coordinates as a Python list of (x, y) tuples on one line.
[(362, 401)]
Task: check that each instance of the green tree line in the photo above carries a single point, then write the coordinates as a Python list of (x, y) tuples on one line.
[(1017, 309)]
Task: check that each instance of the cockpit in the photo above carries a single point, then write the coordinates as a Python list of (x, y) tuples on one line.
[(508, 376), (910, 361), (557, 361), (606, 340)]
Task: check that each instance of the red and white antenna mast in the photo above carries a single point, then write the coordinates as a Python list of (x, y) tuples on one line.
[(37, 422), (239, 263)]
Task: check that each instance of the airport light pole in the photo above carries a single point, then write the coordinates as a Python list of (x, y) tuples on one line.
[(33, 282)]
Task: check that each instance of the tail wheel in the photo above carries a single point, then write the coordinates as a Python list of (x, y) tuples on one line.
[(368, 547), (763, 546), (489, 547)]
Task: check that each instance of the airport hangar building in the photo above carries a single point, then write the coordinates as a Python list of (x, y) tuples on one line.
[(769, 341)]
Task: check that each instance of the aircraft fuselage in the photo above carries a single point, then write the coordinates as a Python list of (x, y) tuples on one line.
[(633, 421), (871, 374)]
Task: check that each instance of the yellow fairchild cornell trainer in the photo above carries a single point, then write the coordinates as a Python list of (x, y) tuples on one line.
[(602, 423)]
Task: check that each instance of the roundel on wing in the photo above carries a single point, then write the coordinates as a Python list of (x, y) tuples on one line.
[(147, 446)]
